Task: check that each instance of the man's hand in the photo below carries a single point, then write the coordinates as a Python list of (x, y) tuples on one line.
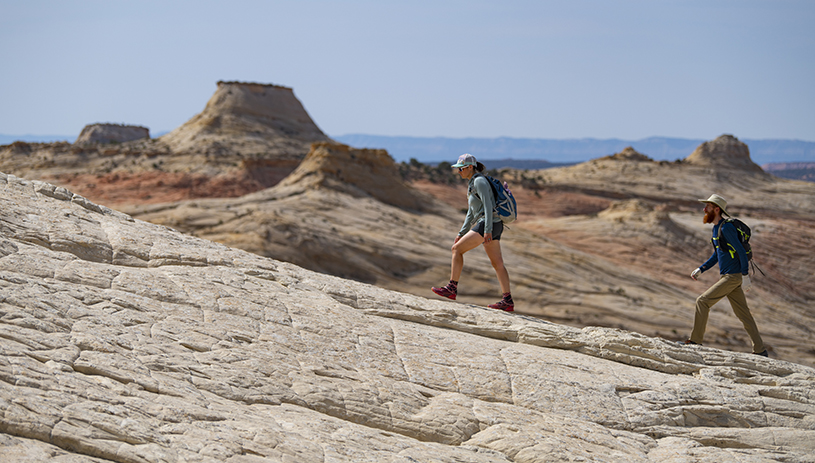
[(746, 284), (695, 273)]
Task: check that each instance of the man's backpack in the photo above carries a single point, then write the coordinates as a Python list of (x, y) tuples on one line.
[(505, 205), (743, 231)]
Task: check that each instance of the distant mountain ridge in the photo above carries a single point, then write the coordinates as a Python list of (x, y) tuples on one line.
[(568, 151), (792, 170), (29, 138), (437, 149)]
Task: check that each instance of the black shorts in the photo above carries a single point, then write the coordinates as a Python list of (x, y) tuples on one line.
[(497, 229)]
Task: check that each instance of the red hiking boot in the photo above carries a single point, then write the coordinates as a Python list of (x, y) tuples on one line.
[(504, 304), (449, 291)]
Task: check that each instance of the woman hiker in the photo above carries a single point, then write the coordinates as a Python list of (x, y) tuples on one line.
[(487, 230)]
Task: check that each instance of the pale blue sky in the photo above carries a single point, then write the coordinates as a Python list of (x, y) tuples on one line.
[(540, 69)]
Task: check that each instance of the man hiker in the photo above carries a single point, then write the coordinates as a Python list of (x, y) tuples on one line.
[(734, 281)]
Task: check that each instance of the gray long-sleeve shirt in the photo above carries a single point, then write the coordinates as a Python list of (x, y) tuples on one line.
[(481, 204)]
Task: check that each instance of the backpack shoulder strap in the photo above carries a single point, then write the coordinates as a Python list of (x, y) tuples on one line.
[(721, 227), (471, 187), (489, 182)]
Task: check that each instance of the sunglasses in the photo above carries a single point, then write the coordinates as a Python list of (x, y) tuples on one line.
[(462, 168)]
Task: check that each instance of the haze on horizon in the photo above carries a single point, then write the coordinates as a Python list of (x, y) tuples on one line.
[(629, 69)]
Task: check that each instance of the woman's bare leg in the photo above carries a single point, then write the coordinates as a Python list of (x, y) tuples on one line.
[(467, 242), (493, 249)]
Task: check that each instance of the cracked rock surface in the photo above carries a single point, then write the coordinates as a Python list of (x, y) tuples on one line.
[(131, 342)]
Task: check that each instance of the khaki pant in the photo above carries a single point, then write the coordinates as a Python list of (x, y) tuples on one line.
[(730, 286)]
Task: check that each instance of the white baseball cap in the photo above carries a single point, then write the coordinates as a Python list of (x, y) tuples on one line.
[(465, 160)]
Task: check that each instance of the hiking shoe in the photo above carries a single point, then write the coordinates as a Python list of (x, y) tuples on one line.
[(445, 291), (688, 342), (763, 354), (503, 305)]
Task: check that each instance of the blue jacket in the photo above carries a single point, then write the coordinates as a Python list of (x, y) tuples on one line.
[(732, 258)]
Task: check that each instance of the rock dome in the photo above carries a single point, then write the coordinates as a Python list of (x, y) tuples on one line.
[(358, 172), (629, 154), (726, 151), (111, 133)]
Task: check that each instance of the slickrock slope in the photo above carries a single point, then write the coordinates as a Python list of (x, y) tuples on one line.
[(130, 342), (343, 211), (248, 137)]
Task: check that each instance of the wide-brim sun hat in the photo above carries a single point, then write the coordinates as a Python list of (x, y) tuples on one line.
[(465, 159), (717, 200)]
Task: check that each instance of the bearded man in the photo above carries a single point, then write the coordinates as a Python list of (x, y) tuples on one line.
[(734, 280)]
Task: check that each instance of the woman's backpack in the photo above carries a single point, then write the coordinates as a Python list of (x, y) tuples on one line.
[(505, 205)]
